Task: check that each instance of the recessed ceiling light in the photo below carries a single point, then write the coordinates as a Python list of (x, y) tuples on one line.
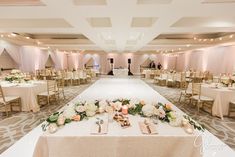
[(220, 38), (27, 37), (38, 42), (2, 35), (231, 36), (9, 35), (212, 40), (195, 38), (172, 50), (188, 45), (199, 39), (204, 39), (179, 48)]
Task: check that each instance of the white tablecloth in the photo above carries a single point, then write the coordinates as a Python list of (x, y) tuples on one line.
[(147, 73), (27, 92), (222, 96), (75, 139), (120, 72)]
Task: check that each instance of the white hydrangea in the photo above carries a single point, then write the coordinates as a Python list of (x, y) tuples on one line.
[(69, 112), (117, 105), (148, 110), (80, 108), (91, 109)]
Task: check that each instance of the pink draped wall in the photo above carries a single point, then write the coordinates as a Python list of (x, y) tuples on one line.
[(215, 59), (12, 50)]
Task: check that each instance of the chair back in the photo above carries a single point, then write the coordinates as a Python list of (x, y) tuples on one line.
[(51, 86), (196, 89), (1, 94), (60, 83)]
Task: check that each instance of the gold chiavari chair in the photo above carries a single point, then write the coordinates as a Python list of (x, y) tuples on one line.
[(7, 103), (83, 78), (185, 92), (52, 92), (231, 109), (75, 79), (201, 101), (60, 86)]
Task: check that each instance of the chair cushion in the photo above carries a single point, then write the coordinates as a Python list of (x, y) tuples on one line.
[(9, 99), (202, 98), (47, 94)]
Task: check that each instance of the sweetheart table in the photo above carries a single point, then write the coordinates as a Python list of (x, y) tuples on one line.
[(75, 139)]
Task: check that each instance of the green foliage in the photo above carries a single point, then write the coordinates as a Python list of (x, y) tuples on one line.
[(136, 110)]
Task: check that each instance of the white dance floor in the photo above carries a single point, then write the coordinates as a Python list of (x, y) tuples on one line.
[(112, 88)]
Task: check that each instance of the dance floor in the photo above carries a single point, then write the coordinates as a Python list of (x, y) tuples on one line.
[(112, 88)]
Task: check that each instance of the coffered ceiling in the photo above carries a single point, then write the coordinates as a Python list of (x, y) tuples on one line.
[(118, 25)]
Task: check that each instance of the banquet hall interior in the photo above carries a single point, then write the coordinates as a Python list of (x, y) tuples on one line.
[(112, 78)]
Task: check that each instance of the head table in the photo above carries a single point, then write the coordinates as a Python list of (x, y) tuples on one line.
[(26, 91), (75, 139)]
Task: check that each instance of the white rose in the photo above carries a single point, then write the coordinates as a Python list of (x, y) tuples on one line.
[(117, 105), (80, 108), (61, 120), (148, 110), (90, 109), (69, 112)]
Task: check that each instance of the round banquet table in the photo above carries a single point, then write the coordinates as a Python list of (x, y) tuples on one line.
[(27, 92)]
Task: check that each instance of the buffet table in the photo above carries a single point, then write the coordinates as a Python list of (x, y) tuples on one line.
[(76, 139), (120, 72), (27, 92)]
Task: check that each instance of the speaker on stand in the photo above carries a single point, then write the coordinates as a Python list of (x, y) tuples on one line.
[(111, 65), (129, 67)]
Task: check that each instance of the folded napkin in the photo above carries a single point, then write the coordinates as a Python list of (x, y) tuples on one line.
[(103, 129), (150, 129)]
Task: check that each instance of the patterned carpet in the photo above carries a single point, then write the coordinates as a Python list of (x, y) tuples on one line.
[(223, 129), (19, 124)]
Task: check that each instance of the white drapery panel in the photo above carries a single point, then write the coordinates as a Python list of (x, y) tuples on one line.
[(73, 61), (94, 57), (60, 59), (33, 58), (12, 50)]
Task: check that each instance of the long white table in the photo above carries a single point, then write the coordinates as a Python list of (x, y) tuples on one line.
[(109, 89), (120, 72)]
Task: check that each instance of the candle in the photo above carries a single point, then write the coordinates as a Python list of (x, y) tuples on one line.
[(124, 110)]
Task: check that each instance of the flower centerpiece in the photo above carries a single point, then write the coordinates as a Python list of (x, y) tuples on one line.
[(84, 110), (14, 76)]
